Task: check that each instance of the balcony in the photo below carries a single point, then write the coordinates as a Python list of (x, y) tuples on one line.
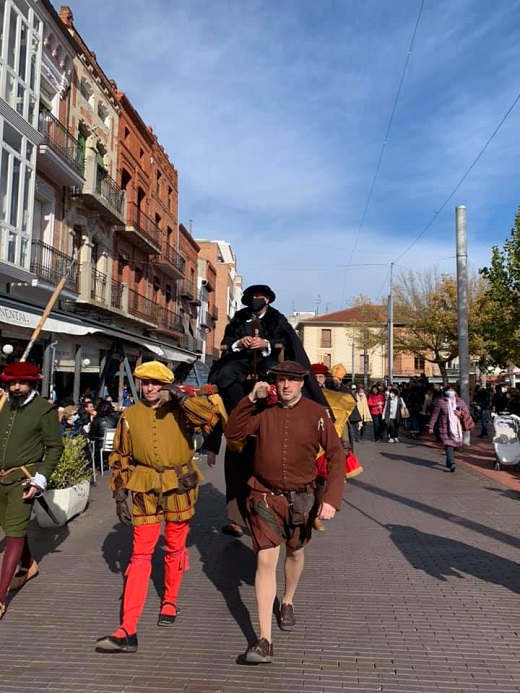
[(141, 230), (142, 307), (206, 320), (59, 155), (51, 265), (213, 312), (187, 290), (186, 341), (101, 194), (98, 286), (170, 262), (168, 320)]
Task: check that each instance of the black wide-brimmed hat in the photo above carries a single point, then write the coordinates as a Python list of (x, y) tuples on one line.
[(289, 368), (263, 289)]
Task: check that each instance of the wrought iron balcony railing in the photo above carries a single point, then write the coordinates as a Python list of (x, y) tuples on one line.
[(60, 139), (51, 265)]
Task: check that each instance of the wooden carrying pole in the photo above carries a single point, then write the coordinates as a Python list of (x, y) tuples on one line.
[(36, 332)]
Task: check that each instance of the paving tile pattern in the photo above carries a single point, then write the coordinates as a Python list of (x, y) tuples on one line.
[(414, 587)]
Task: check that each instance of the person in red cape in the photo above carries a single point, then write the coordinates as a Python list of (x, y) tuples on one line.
[(342, 404)]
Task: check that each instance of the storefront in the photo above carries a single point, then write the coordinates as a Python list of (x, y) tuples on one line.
[(72, 353)]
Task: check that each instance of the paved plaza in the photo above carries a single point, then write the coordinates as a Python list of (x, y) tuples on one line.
[(414, 587)]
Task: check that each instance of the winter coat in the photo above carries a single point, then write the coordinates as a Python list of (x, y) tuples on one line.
[(441, 414)]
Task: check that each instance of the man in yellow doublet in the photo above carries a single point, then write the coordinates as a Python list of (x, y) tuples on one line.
[(153, 459)]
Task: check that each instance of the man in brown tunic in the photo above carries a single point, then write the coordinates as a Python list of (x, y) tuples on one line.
[(281, 505)]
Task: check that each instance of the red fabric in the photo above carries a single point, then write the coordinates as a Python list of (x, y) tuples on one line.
[(138, 575), (321, 468), (21, 370), (12, 554), (376, 403), (352, 466), (319, 369), (176, 561)]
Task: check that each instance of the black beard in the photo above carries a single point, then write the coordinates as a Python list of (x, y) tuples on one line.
[(16, 401)]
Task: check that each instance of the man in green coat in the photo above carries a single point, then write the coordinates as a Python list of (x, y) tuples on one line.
[(30, 437)]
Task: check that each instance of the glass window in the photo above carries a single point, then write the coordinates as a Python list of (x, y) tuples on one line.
[(326, 339), (11, 45), (22, 51), (2, 15), (26, 192), (15, 191), (11, 246), (22, 6), (24, 252), (4, 179), (12, 137)]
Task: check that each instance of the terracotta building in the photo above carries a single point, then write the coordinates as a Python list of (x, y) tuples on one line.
[(228, 288)]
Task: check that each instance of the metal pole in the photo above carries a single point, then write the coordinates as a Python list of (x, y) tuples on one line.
[(462, 300), (353, 356), (390, 318)]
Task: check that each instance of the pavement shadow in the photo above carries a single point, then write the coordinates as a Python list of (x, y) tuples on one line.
[(443, 558), (45, 540), (462, 521), (228, 563), (433, 464), (506, 492), (117, 548)]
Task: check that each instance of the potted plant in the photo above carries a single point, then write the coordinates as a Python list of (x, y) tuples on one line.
[(68, 486)]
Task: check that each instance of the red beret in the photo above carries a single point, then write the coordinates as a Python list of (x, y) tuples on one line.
[(21, 370), (319, 369)]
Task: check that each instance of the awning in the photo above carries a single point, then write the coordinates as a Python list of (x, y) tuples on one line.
[(24, 318)]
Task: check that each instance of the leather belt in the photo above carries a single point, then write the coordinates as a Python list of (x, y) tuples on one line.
[(6, 472)]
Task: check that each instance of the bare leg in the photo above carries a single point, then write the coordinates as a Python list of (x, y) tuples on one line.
[(265, 588), (293, 567)]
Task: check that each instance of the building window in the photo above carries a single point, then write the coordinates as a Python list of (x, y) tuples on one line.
[(326, 339), (20, 56), (418, 364), (16, 195), (326, 359)]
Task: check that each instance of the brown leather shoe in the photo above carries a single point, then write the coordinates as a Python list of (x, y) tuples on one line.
[(232, 530), (318, 525), (260, 653), (23, 575), (287, 619)]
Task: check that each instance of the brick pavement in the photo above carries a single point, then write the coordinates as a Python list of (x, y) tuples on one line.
[(414, 587)]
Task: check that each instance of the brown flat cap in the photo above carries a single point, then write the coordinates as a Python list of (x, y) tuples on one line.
[(290, 368)]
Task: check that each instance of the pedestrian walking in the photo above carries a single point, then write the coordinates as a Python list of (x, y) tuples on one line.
[(281, 505), (392, 414), (376, 405), (30, 439), (453, 417), (153, 459), (363, 409)]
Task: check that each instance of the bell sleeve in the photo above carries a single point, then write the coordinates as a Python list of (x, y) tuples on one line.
[(120, 460)]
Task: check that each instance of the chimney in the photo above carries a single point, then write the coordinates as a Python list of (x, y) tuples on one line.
[(66, 16)]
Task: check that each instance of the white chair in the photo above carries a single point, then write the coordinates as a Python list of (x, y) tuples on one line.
[(107, 446)]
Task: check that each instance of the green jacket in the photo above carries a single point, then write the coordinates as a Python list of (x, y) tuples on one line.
[(29, 434)]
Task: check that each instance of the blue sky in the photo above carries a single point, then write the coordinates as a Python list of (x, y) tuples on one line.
[(275, 111)]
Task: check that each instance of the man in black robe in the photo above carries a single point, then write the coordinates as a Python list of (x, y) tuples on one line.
[(254, 341)]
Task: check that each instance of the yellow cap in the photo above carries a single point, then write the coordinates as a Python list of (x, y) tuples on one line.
[(154, 370), (338, 371)]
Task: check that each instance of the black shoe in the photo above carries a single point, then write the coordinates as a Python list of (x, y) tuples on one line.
[(128, 643), (453, 467), (286, 620), (167, 620), (232, 530), (260, 653)]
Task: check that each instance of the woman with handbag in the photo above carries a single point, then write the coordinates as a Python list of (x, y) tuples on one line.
[(376, 403), (392, 414), (454, 417)]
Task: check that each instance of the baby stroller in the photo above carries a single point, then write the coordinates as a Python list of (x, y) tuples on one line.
[(506, 441)]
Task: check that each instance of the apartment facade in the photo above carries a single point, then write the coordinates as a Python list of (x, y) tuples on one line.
[(228, 289), (86, 193), (356, 337)]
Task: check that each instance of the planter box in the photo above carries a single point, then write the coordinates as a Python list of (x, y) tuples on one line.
[(65, 503)]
